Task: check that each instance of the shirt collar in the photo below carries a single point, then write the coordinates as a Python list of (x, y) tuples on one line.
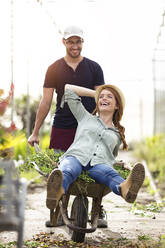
[(108, 128)]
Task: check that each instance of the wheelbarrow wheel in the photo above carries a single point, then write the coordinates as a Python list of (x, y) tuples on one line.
[(79, 217)]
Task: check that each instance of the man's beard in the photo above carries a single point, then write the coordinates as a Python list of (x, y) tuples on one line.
[(74, 56)]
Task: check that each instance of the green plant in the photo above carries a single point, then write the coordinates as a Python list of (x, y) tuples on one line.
[(162, 240), (12, 244), (18, 142), (45, 141), (147, 210), (31, 244), (85, 177), (47, 160), (31, 175), (146, 182), (152, 150), (21, 110), (144, 237), (150, 190), (123, 172), (20, 146)]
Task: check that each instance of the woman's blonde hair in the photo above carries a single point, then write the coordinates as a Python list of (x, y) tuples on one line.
[(117, 116)]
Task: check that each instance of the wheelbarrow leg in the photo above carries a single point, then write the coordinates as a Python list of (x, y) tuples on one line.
[(55, 213), (96, 203), (65, 201)]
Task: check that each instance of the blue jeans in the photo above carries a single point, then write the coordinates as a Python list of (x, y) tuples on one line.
[(101, 173)]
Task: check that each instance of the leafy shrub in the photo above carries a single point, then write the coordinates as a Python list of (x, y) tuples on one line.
[(45, 141), (20, 146), (122, 172), (16, 142), (47, 160), (152, 150)]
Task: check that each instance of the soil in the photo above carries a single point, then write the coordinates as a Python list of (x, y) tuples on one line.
[(122, 223)]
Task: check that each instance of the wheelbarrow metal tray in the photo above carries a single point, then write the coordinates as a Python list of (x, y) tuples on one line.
[(90, 189)]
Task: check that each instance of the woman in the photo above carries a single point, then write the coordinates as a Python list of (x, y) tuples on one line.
[(95, 147)]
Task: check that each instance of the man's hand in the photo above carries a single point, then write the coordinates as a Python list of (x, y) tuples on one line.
[(33, 139)]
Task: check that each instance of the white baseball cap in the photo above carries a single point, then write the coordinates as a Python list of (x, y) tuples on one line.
[(72, 31)]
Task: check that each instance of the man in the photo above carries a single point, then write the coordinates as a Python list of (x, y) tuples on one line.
[(71, 69)]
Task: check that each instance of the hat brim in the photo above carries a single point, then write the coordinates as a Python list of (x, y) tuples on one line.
[(120, 94)]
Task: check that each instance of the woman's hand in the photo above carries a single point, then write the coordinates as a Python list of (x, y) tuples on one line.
[(80, 91), (127, 167), (121, 163)]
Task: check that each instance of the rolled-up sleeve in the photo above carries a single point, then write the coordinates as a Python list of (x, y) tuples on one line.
[(75, 104)]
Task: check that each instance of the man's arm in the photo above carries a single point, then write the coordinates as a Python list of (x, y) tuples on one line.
[(80, 91), (42, 112)]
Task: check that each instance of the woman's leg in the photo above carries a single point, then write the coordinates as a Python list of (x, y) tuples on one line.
[(106, 175), (128, 188), (60, 179), (71, 169)]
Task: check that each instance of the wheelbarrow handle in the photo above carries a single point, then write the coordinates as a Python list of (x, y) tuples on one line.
[(37, 149), (36, 146)]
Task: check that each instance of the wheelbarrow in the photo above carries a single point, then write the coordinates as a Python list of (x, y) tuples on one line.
[(77, 223)]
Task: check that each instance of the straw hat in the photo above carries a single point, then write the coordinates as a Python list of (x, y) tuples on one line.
[(110, 86)]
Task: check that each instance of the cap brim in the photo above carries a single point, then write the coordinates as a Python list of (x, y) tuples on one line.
[(71, 35)]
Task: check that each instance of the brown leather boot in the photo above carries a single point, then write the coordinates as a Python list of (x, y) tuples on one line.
[(54, 189), (131, 186)]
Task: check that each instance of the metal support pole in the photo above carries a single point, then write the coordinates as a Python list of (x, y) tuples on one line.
[(12, 52), (27, 108), (154, 89)]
